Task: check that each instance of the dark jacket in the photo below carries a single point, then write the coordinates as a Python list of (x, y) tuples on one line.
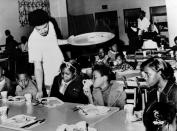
[(74, 91), (169, 94)]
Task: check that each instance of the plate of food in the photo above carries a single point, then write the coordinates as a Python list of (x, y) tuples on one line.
[(92, 38), (92, 110), (19, 121), (16, 99), (51, 102), (80, 126)]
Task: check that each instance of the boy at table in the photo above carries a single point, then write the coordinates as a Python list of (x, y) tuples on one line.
[(101, 91), (25, 85), (160, 78)]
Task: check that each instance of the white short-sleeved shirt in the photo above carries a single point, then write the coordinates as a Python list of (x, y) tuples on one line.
[(143, 24), (46, 50)]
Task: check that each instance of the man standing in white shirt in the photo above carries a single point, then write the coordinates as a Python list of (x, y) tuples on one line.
[(43, 50), (143, 23)]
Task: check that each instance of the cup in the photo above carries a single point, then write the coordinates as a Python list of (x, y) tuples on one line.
[(144, 53), (4, 95), (162, 47), (125, 53), (28, 98), (171, 54), (128, 108), (87, 84), (3, 113), (159, 55)]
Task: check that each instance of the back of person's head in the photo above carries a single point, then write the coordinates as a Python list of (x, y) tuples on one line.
[(38, 17), (158, 64), (24, 39), (104, 70), (7, 32), (143, 13), (160, 116)]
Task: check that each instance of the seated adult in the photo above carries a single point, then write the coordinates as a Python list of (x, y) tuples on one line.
[(101, 91), (160, 117), (67, 85), (160, 78)]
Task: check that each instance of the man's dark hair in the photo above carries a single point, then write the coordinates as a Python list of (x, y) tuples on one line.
[(38, 17)]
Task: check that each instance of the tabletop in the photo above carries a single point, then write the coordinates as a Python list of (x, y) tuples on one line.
[(64, 114)]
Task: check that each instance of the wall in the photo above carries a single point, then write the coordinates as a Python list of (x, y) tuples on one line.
[(59, 12), (79, 7), (172, 20), (9, 20)]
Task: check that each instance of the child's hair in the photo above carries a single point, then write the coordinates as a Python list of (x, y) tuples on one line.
[(158, 115), (72, 65), (158, 64), (104, 71), (22, 72)]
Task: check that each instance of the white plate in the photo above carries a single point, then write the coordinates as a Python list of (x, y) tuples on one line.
[(51, 102), (19, 120), (92, 38), (93, 111)]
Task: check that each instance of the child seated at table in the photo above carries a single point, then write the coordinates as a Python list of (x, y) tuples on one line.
[(101, 58), (67, 85), (104, 92), (120, 63), (160, 117), (5, 83), (112, 52), (25, 85)]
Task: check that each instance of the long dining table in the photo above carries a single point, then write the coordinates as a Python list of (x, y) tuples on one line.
[(114, 120)]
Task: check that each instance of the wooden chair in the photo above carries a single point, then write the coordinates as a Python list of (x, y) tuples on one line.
[(131, 91)]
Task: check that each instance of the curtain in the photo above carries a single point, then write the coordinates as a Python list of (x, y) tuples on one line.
[(27, 6)]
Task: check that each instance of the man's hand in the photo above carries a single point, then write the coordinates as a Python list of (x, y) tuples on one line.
[(39, 95)]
